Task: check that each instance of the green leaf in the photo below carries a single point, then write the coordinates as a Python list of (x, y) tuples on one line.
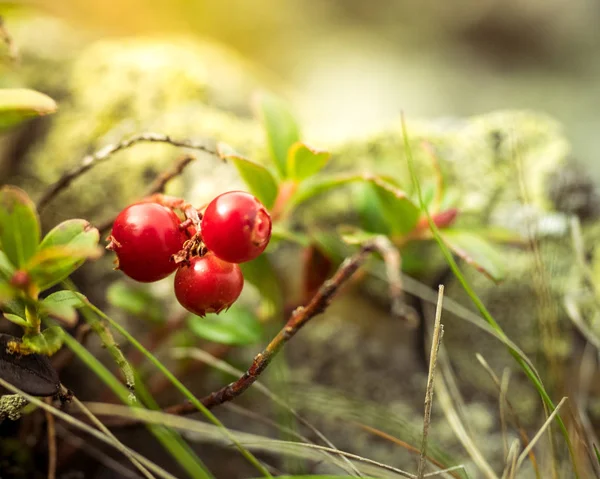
[(304, 161), (64, 249), (476, 251), (61, 305), (19, 225), (6, 293), (355, 236), (135, 300), (281, 233), (369, 210), (398, 210), (596, 452), (260, 273), (53, 264), (69, 298), (18, 320), (259, 179), (6, 268), (14, 306), (19, 104), (237, 326), (318, 185), (47, 342), (281, 128)]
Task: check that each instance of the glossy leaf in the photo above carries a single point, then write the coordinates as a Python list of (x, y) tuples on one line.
[(64, 249), (6, 267), (476, 251), (19, 104), (304, 161), (237, 326), (398, 210), (320, 184), (281, 128), (260, 273), (70, 298), (19, 225), (47, 342), (53, 264), (259, 179), (61, 305), (18, 320), (135, 300)]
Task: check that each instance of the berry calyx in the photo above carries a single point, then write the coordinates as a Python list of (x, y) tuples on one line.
[(144, 237), (236, 227), (208, 284)]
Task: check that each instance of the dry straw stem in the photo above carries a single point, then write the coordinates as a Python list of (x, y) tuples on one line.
[(438, 332), (511, 460), (513, 415), (89, 161), (539, 434), (299, 318), (51, 430), (501, 406)]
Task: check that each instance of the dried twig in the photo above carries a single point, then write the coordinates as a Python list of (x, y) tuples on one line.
[(438, 332), (105, 153), (159, 184), (299, 318), (13, 50)]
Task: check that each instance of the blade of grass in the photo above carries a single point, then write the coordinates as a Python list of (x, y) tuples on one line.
[(185, 391), (181, 455), (521, 359)]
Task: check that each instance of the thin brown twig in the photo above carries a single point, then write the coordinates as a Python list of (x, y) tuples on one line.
[(299, 318), (6, 37), (50, 426), (160, 182), (438, 333), (89, 161)]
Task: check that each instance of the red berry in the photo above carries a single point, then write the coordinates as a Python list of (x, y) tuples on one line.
[(145, 236), (208, 284), (236, 227)]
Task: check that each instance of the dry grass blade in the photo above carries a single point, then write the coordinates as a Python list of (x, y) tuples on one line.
[(511, 460), (410, 448), (513, 415), (91, 431), (51, 442), (539, 434), (502, 407), (438, 332), (445, 401)]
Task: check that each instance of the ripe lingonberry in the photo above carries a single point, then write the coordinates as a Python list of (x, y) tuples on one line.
[(236, 227), (208, 284), (145, 236)]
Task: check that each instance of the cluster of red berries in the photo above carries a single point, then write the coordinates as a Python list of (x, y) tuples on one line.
[(152, 241)]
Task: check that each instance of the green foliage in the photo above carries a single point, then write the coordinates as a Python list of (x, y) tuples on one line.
[(236, 326), (259, 179), (137, 300), (19, 104), (260, 273), (47, 342), (304, 161)]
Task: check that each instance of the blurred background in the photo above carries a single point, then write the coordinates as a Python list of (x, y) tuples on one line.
[(351, 66)]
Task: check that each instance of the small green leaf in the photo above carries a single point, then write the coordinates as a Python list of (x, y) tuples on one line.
[(74, 233), (318, 185), (47, 342), (476, 251), (355, 236), (370, 211), (236, 326), (304, 161), (135, 300), (19, 104), (61, 305), (70, 298), (64, 249), (259, 179), (18, 320), (399, 211), (19, 225), (6, 268), (53, 264), (281, 128), (596, 452), (281, 233), (6, 293), (260, 273), (14, 306)]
